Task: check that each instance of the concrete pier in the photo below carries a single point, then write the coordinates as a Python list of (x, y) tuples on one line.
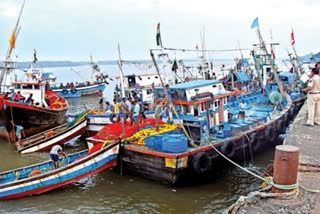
[(307, 200)]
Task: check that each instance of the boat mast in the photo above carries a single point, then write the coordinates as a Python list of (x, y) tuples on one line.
[(121, 72), (300, 69), (7, 68), (271, 60), (170, 101)]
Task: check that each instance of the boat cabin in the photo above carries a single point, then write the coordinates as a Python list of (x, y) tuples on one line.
[(141, 86), (36, 89), (198, 100)]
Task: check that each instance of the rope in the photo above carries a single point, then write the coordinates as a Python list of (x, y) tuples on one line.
[(206, 50)]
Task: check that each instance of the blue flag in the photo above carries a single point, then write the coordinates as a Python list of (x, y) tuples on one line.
[(255, 23)]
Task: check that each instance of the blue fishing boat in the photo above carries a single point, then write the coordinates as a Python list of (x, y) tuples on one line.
[(209, 117), (40, 178)]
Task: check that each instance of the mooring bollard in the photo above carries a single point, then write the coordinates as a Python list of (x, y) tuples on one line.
[(286, 162)]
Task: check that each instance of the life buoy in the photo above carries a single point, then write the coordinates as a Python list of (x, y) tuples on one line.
[(229, 149), (73, 90), (34, 172), (201, 163), (113, 118), (65, 91)]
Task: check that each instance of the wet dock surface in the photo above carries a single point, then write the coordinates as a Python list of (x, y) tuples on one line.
[(307, 199)]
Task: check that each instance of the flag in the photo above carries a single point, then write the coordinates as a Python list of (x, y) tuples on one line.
[(255, 23), (35, 59), (158, 37), (12, 40), (293, 41)]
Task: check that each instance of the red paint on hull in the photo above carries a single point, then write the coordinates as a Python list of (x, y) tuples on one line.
[(38, 191)]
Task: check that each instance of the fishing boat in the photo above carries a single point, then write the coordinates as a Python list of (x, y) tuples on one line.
[(96, 85), (229, 120), (61, 134), (46, 109), (42, 177)]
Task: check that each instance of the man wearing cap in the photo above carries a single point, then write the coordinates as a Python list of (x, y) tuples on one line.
[(313, 99)]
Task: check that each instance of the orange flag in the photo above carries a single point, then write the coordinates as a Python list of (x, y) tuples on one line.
[(12, 40)]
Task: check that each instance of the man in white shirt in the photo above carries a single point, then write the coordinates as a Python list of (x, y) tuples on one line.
[(242, 109), (54, 154)]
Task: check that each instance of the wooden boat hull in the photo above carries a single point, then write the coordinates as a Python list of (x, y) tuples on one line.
[(200, 163), (34, 116), (60, 138), (81, 91), (78, 169)]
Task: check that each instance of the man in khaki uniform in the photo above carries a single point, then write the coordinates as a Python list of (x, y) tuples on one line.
[(313, 99)]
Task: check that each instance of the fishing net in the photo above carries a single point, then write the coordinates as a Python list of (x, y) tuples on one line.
[(113, 131)]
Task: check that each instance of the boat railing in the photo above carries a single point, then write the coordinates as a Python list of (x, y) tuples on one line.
[(41, 136)]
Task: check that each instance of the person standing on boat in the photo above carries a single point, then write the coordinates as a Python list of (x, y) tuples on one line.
[(242, 109), (100, 94), (29, 100), (54, 154), (19, 132), (136, 112), (18, 97), (313, 99), (158, 111)]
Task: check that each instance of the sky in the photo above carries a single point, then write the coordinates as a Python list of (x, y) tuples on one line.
[(75, 29)]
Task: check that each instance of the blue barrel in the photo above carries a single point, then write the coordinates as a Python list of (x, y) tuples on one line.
[(154, 142), (227, 132), (175, 143)]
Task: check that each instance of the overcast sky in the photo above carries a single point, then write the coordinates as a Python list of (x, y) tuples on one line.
[(73, 29)]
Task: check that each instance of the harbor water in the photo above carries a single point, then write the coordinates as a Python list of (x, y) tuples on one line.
[(110, 192)]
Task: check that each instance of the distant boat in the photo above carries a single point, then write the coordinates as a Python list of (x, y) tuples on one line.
[(40, 178), (61, 134), (97, 83)]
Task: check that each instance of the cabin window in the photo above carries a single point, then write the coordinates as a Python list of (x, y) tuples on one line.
[(215, 104), (214, 86), (148, 78), (149, 91), (156, 77), (27, 87), (36, 86), (17, 86)]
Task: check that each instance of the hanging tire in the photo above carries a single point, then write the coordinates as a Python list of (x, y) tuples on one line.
[(201, 163), (229, 149), (280, 126), (255, 145), (113, 118), (64, 91), (73, 90), (270, 134)]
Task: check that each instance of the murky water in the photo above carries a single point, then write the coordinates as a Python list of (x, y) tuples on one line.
[(109, 192)]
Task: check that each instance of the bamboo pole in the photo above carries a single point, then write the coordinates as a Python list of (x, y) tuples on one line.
[(170, 101)]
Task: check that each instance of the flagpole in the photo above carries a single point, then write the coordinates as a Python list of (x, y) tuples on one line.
[(271, 62), (15, 33), (121, 72)]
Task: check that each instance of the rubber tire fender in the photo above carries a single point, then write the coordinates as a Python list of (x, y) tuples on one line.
[(270, 134), (229, 149), (255, 145), (280, 126), (73, 90), (112, 118), (64, 91), (201, 163)]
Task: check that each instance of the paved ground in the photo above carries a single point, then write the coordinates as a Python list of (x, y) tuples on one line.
[(308, 140)]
